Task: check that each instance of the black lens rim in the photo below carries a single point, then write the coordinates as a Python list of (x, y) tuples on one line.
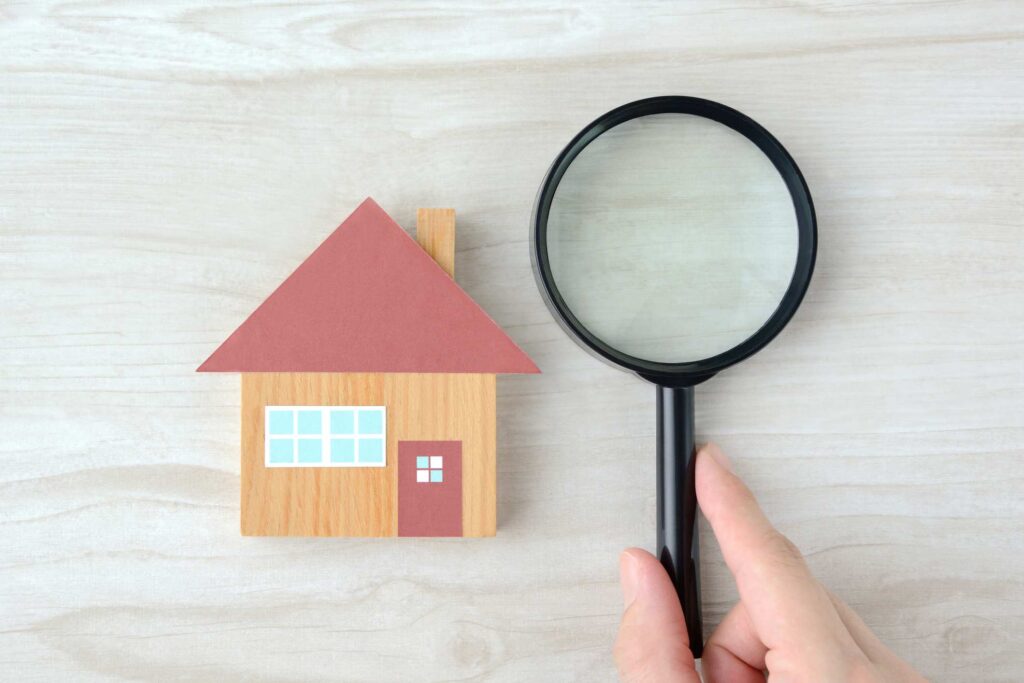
[(692, 372)]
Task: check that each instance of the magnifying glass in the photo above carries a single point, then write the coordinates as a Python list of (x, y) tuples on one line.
[(674, 237)]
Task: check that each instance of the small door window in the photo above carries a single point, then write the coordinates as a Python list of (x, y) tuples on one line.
[(429, 469)]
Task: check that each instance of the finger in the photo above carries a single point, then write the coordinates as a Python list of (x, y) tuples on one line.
[(734, 652), (867, 640), (652, 643), (884, 658), (786, 605)]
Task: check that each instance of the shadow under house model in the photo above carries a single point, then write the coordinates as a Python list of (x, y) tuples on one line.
[(368, 390)]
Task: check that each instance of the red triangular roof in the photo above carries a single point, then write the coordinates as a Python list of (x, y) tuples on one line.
[(369, 299)]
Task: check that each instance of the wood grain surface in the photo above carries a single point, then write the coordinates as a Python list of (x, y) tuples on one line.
[(362, 501), (164, 166), (435, 232)]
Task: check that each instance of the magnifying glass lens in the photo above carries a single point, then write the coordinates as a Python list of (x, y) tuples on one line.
[(672, 238)]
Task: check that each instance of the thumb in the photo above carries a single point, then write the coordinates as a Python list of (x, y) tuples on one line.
[(652, 644)]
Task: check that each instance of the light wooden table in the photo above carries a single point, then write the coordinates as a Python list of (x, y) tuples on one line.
[(164, 165)]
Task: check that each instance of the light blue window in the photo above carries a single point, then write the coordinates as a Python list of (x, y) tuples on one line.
[(371, 421), (343, 450), (371, 450), (422, 462), (436, 476), (326, 436), (343, 422), (282, 451), (282, 422), (309, 421), (310, 450)]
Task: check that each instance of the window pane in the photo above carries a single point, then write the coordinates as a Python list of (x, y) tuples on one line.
[(282, 451), (309, 421), (310, 450), (371, 450), (422, 476), (435, 461), (436, 476), (281, 422), (343, 422), (343, 450), (422, 462), (371, 421)]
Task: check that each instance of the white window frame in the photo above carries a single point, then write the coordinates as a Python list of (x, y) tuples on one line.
[(325, 436)]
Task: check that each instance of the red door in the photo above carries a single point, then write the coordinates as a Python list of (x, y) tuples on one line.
[(429, 488)]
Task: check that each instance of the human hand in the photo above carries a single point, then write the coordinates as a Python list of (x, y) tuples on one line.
[(786, 623)]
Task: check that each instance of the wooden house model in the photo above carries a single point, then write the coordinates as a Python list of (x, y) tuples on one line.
[(368, 390)]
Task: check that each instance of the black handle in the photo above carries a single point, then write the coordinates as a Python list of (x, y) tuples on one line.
[(678, 545)]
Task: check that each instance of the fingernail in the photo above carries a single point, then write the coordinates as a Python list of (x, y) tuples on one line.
[(629, 570), (718, 456)]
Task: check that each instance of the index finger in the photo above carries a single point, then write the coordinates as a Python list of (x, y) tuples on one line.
[(787, 606)]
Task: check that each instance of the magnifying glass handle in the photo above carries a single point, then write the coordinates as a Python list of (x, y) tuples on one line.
[(678, 544)]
